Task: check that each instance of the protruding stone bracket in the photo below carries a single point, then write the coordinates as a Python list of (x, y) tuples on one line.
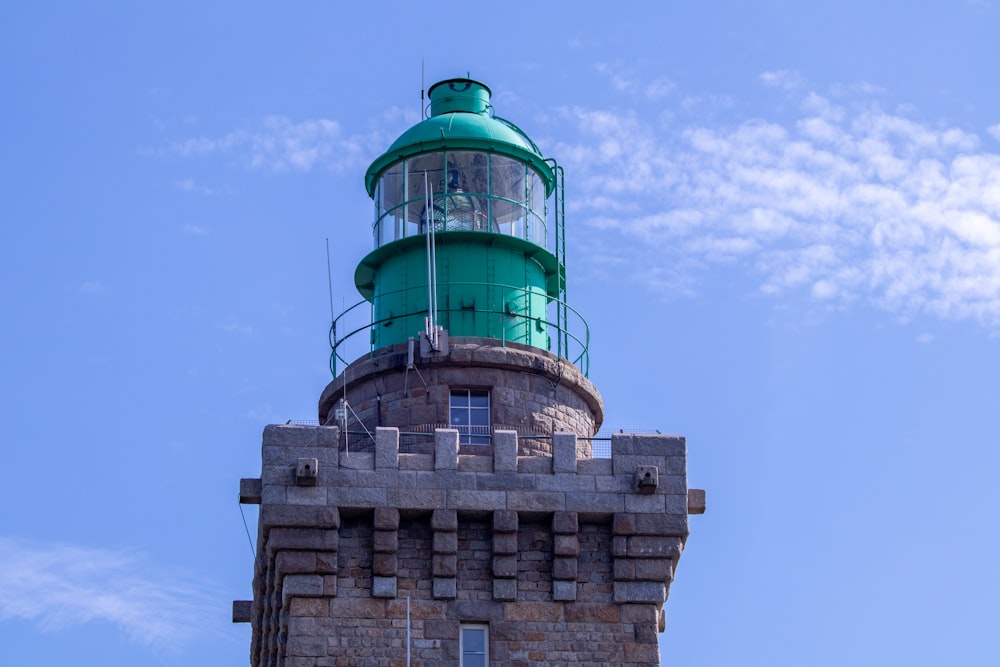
[(307, 471), (250, 491), (505, 525), (242, 611), (566, 549), (696, 501), (385, 545), (444, 524)]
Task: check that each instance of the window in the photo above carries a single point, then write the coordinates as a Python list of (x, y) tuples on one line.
[(470, 414), (474, 645)]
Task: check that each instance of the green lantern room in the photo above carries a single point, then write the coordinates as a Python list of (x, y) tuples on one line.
[(468, 231)]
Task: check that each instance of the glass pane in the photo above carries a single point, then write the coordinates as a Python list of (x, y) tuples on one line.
[(471, 660), (479, 417), (473, 640), (432, 166), (480, 399), (459, 417), (459, 398)]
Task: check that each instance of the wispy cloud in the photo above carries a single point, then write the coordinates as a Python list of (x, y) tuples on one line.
[(61, 585), (280, 144), (844, 201)]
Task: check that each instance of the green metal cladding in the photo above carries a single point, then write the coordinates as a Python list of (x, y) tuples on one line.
[(481, 186)]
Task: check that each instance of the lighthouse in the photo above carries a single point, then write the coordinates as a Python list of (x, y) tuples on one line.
[(455, 504)]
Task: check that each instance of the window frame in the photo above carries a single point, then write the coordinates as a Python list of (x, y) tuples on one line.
[(466, 434), (485, 629)]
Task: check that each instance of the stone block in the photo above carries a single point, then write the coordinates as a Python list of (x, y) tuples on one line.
[(624, 569), (595, 503), (505, 451), (445, 449), (444, 520), (504, 521), (627, 464), (357, 497), (621, 445), (505, 567), (645, 503), (564, 568), (357, 608), (505, 543), (475, 463), (654, 569), (305, 495), (294, 562), (250, 491), (640, 591), (302, 538), (386, 518), (242, 611), (309, 607), (386, 448), (477, 610), (565, 523), (304, 585), (593, 613), (661, 524), (384, 564), (309, 516), (565, 545), (564, 591), (534, 465), (470, 500), (441, 629), (445, 543), (383, 587), (619, 546), (444, 588), (306, 647), (642, 654), (623, 524), (533, 612), (385, 541), (444, 565), (505, 589), (416, 499), (654, 546), (564, 452), (660, 445), (536, 501), (695, 500)]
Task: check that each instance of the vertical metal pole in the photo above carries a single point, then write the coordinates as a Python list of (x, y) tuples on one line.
[(407, 630)]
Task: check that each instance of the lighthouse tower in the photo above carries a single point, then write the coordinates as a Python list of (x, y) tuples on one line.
[(455, 506)]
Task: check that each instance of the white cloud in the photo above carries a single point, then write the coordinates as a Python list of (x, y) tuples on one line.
[(784, 79), (279, 144), (842, 202), (61, 585), (195, 230)]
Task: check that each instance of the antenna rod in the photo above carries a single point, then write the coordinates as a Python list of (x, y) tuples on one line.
[(329, 278), (421, 88)]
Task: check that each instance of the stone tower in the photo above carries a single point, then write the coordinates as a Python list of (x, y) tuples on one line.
[(454, 506)]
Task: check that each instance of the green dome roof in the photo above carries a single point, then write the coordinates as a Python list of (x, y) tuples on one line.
[(460, 120)]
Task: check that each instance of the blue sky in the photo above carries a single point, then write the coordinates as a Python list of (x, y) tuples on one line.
[(784, 230)]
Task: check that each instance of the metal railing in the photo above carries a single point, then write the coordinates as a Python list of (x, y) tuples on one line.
[(569, 345)]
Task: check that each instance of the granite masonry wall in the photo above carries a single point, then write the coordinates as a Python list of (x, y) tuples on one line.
[(564, 559), (531, 391)]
